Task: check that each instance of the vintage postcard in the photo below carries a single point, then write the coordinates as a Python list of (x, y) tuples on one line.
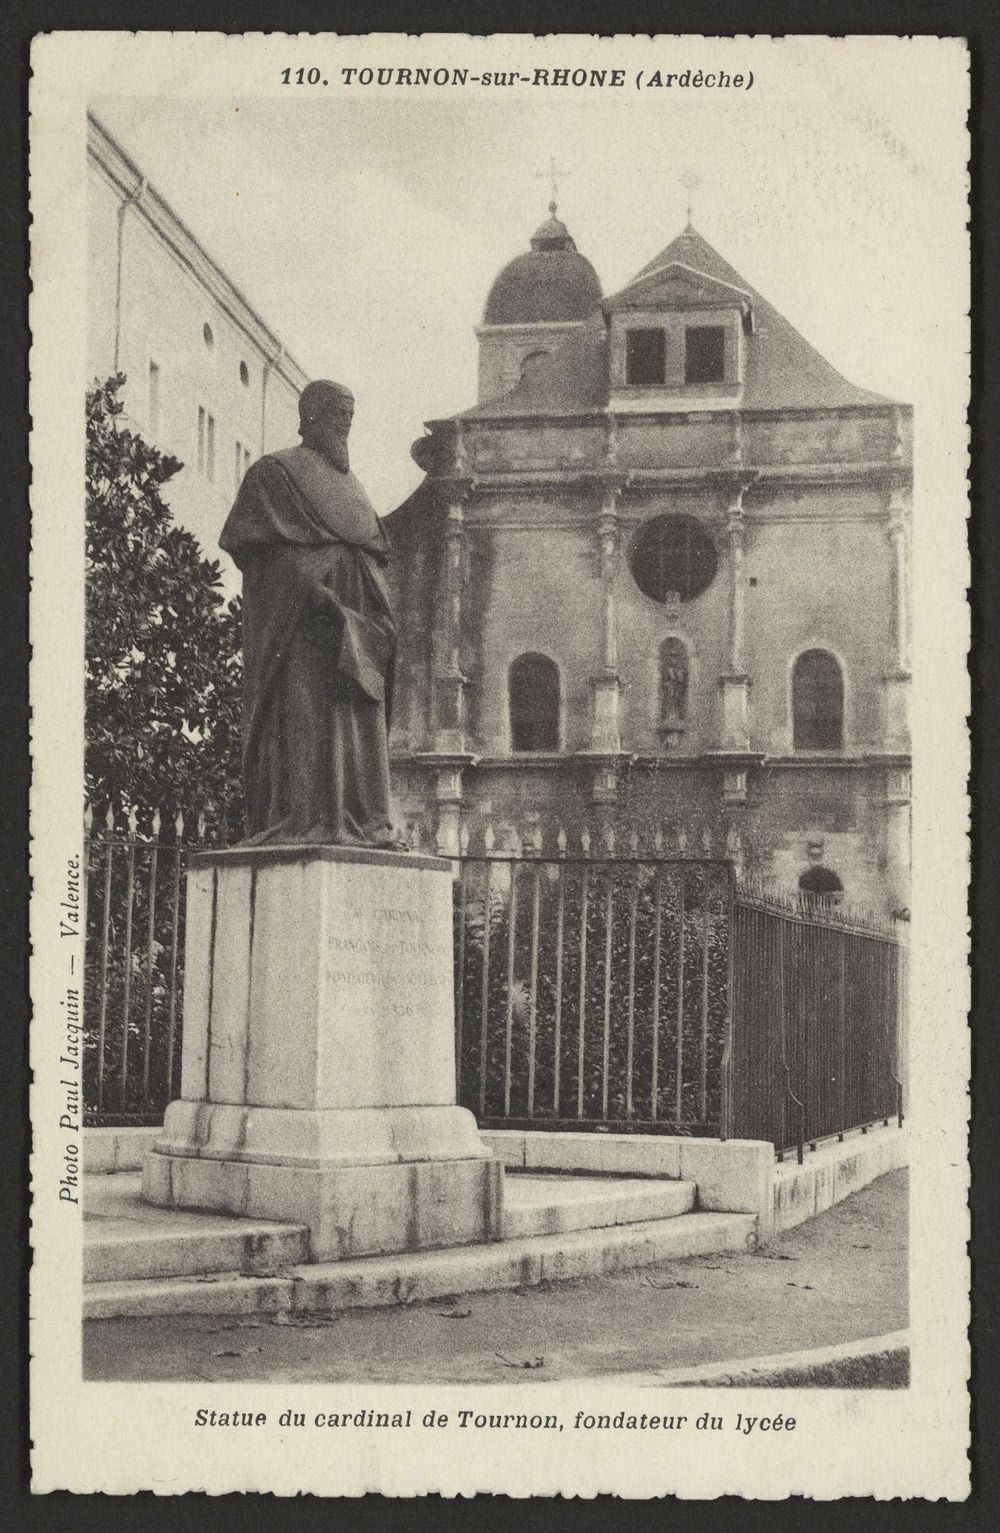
[(499, 811)]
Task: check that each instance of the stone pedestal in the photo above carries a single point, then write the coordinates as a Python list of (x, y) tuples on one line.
[(318, 1073), (605, 732), (735, 712)]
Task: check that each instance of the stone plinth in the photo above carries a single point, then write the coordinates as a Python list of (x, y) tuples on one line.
[(735, 712), (318, 1071)]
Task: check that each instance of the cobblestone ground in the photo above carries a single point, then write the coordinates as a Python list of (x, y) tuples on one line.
[(841, 1277)]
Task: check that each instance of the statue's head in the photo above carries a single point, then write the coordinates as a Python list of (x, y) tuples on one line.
[(326, 411)]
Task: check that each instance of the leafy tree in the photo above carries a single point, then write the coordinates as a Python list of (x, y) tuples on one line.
[(163, 661)]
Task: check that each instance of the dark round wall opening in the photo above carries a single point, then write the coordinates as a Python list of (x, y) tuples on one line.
[(244, 374), (673, 554), (207, 336)]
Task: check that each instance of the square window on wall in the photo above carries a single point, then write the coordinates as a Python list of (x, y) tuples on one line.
[(201, 438), (210, 449), (645, 357), (705, 354)]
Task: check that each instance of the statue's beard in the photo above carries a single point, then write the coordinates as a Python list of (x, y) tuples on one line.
[(333, 450)]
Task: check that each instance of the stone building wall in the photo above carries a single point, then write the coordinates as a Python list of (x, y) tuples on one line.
[(152, 290)]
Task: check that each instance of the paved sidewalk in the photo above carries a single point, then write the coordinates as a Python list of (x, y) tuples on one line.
[(840, 1278)]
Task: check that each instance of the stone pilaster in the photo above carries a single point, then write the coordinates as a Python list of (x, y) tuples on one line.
[(449, 680), (896, 682), (736, 452), (897, 835), (611, 443), (606, 684), (735, 683)]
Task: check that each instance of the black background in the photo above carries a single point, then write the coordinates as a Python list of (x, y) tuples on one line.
[(22, 19)]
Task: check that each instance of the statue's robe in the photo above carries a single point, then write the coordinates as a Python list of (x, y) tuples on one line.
[(317, 674)]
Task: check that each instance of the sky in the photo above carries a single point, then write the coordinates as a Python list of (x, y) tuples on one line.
[(367, 230)]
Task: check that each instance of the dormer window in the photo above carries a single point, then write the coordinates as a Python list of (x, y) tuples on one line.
[(645, 357), (704, 354)]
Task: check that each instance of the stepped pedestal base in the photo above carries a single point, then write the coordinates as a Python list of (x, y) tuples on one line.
[(319, 1059)]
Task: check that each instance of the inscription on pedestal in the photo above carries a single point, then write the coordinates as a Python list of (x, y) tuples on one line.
[(385, 957), (387, 997), (319, 1055)]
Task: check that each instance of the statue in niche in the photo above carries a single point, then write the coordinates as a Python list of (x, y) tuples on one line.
[(319, 640), (673, 681)]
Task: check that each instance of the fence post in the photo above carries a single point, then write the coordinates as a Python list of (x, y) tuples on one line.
[(582, 1017), (842, 1031), (485, 999), (102, 1019), (657, 944), (147, 1031), (174, 942), (557, 1021), (703, 1063), (463, 845), (127, 997), (726, 1065)]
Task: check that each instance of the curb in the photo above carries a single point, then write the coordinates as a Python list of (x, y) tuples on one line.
[(750, 1371)]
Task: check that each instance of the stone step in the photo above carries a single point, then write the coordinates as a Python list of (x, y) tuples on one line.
[(216, 1293), (554, 1205), (125, 1238), (380, 1281)]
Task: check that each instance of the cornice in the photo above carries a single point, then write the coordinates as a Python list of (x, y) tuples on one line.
[(709, 477), (146, 202), (653, 761)]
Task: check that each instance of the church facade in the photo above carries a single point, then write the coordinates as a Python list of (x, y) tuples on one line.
[(654, 584)]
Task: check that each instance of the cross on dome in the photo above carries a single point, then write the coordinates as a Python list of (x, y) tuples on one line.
[(552, 175)]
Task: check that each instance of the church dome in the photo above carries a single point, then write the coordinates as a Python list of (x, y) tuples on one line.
[(551, 282)]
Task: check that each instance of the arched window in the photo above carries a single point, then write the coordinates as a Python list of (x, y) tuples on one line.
[(673, 681), (822, 882), (817, 702), (533, 688)]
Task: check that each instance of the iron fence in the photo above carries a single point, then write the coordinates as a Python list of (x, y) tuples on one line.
[(632, 993), (134, 966), (592, 991), (817, 1002)]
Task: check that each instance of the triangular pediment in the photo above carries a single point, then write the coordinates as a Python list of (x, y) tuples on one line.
[(676, 285)]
